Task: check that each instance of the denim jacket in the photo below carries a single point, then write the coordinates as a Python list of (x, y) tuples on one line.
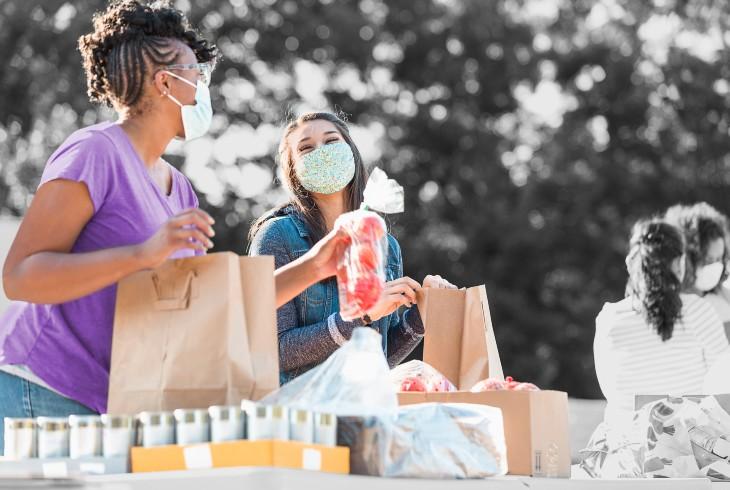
[(310, 327)]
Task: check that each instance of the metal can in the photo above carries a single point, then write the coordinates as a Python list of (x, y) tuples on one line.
[(301, 427), (20, 438), (258, 420), (118, 434), (156, 429), (226, 423), (325, 429), (192, 426), (84, 436), (52, 437), (279, 422)]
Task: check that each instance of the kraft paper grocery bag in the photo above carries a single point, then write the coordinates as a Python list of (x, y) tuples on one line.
[(459, 340), (193, 333)]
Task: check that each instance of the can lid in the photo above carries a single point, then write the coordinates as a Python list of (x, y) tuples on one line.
[(19, 423), (156, 418), (190, 416), (81, 421), (52, 424), (225, 412), (117, 421)]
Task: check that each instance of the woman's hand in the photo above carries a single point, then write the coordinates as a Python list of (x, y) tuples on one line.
[(401, 292), (326, 253), (437, 282), (190, 229)]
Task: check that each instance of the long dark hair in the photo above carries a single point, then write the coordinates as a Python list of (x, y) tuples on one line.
[(130, 40), (652, 285), (701, 224), (301, 199)]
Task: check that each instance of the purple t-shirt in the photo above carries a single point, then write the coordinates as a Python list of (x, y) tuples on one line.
[(69, 345)]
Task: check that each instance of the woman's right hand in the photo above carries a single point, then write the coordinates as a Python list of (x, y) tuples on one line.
[(397, 293), (190, 229)]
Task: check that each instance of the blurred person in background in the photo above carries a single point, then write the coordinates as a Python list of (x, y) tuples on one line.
[(325, 176), (108, 205), (705, 232), (657, 340)]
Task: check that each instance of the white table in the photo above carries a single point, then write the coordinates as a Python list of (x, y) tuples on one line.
[(278, 479)]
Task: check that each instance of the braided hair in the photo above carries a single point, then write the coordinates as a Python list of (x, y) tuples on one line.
[(130, 40), (652, 284), (701, 224)]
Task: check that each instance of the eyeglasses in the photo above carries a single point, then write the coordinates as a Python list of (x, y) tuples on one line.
[(204, 69)]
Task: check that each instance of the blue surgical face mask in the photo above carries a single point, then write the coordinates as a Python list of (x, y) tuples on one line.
[(327, 169), (196, 118)]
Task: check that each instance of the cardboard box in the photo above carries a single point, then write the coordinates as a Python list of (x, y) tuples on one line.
[(280, 454), (460, 343)]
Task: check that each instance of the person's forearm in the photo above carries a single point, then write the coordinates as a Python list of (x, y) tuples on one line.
[(54, 277), (293, 278)]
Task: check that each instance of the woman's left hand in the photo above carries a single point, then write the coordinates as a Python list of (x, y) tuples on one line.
[(437, 282)]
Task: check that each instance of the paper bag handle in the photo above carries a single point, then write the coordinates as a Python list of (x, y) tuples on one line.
[(176, 303)]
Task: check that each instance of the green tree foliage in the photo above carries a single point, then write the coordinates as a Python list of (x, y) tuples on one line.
[(529, 134)]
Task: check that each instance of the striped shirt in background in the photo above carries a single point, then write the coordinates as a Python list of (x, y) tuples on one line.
[(631, 358)]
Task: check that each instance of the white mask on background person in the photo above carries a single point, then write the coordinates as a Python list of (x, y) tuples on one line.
[(196, 118), (708, 276)]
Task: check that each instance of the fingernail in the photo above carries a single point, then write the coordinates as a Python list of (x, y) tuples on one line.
[(211, 231), (210, 244), (211, 220)]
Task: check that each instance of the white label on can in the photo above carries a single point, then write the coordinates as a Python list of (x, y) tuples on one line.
[(312, 459), (55, 470), (198, 457)]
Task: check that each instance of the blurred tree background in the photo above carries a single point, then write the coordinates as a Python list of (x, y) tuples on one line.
[(529, 134)]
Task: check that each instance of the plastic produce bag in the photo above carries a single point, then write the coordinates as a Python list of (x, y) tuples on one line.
[(430, 440), (496, 384), (352, 381), (361, 269), (418, 441), (419, 376)]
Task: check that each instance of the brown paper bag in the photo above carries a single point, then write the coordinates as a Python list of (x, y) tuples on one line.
[(193, 333), (459, 340)]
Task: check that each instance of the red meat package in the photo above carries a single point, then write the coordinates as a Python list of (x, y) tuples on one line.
[(361, 269), (419, 376), (491, 384)]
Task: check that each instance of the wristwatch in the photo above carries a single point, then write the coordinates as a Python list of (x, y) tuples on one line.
[(368, 321)]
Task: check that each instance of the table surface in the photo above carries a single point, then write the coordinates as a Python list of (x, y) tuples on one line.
[(278, 479)]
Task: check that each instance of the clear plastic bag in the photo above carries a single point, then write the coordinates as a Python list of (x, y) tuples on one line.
[(419, 376), (352, 381), (495, 384), (419, 441), (444, 441), (361, 269)]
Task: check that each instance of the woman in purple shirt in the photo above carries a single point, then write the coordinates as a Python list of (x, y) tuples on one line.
[(108, 205)]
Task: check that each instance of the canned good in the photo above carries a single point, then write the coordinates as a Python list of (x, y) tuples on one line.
[(192, 426), (325, 429), (84, 436), (301, 426), (20, 438), (52, 437), (118, 434), (279, 422), (226, 423), (156, 429), (258, 420)]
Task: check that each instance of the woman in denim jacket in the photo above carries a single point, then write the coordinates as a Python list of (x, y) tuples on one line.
[(325, 176)]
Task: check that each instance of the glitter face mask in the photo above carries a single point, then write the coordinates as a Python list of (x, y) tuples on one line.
[(327, 169)]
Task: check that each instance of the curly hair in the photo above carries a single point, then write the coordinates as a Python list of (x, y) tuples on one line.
[(652, 284), (701, 225), (130, 39)]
